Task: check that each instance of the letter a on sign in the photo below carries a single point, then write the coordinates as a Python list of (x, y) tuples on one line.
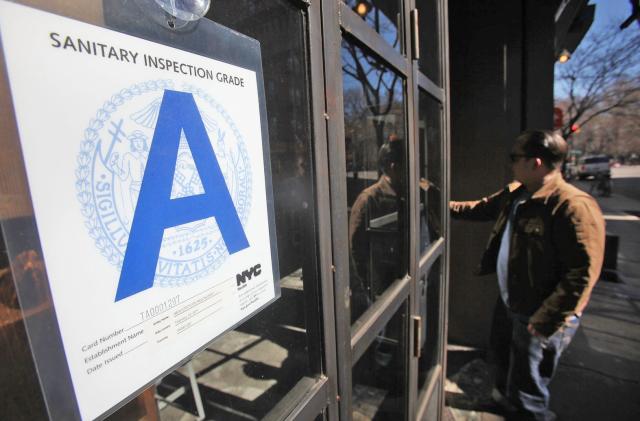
[(156, 211)]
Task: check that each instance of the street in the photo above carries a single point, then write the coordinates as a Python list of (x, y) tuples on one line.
[(599, 374), (625, 180)]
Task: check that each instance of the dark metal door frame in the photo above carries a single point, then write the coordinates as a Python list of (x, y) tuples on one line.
[(339, 22)]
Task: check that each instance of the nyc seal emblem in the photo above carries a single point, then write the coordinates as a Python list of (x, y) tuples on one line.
[(111, 165)]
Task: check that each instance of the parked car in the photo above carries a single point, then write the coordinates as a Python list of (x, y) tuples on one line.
[(593, 165)]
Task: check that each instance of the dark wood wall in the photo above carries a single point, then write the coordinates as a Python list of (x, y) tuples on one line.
[(501, 72)]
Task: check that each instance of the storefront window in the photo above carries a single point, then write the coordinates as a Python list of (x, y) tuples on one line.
[(375, 143), (245, 373), (384, 16), (430, 135)]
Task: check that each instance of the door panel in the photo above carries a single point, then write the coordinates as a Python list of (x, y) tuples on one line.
[(432, 137), (431, 176), (379, 386)]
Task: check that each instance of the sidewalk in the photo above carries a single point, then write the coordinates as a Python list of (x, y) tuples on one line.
[(599, 374)]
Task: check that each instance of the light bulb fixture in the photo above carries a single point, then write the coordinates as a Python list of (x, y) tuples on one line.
[(564, 56), (362, 8)]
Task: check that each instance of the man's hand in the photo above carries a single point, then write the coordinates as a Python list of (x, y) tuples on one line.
[(534, 332), (544, 341)]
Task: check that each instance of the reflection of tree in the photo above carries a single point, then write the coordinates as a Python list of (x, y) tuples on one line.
[(601, 77), (378, 87), (384, 26), (379, 18)]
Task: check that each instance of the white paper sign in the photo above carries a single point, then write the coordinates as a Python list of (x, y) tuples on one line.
[(145, 166)]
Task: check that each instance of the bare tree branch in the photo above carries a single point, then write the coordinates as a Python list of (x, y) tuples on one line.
[(601, 77)]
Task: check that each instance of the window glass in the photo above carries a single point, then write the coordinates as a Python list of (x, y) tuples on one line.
[(247, 371), (384, 16), (375, 144), (429, 287), (379, 386), (430, 134), (429, 33)]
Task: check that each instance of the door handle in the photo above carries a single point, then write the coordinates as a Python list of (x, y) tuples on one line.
[(417, 335)]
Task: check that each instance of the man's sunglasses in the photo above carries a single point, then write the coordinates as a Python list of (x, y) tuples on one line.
[(514, 156)]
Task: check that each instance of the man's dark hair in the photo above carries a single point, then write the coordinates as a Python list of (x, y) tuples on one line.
[(547, 145), (391, 151)]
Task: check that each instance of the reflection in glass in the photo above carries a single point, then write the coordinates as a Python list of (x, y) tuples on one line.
[(429, 62), (383, 16), (185, 10), (429, 289), (245, 373), (379, 386), (376, 175), (21, 266), (429, 138)]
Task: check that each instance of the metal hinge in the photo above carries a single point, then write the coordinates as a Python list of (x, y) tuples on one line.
[(417, 335), (415, 35)]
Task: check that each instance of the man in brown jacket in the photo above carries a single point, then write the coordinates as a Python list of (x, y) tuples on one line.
[(547, 248), (375, 230)]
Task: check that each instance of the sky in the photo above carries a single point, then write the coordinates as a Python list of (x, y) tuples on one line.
[(607, 12)]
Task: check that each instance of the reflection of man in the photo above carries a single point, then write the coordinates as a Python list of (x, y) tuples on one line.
[(373, 230), (547, 249), (131, 169)]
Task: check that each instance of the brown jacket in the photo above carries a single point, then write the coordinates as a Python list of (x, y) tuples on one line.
[(555, 253), (375, 251)]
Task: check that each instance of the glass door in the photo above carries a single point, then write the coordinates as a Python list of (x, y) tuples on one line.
[(368, 109), (431, 129), (386, 125)]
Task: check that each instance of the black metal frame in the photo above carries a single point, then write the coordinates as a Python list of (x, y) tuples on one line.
[(353, 25)]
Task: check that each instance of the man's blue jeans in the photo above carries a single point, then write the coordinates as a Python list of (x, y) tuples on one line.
[(530, 364)]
